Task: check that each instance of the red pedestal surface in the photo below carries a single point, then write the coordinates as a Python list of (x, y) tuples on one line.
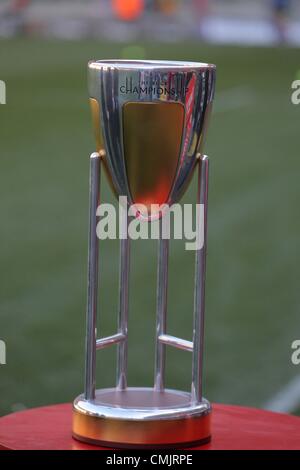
[(233, 428)]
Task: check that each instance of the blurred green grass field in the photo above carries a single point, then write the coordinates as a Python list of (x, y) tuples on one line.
[(253, 269)]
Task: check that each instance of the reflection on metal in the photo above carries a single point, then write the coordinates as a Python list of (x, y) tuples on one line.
[(152, 150), (137, 137)]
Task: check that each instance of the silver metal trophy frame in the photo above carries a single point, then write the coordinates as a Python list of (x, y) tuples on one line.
[(143, 417)]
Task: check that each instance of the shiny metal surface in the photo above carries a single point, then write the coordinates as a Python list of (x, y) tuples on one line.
[(141, 417), (161, 310), (123, 305), (110, 340), (120, 338), (199, 291), (95, 110), (178, 343), (91, 327), (150, 120), (140, 403), (152, 116), (151, 150)]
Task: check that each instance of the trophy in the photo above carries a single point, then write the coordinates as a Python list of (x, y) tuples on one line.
[(150, 120)]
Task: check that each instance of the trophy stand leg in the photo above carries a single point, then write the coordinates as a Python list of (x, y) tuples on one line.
[(92, 294), (161, 310), (123, 305), (199, 290), (132, 417)]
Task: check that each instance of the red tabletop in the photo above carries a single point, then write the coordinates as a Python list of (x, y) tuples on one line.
[(233, 427)]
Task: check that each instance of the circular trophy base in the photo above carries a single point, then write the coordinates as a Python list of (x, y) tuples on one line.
[(141, 417)]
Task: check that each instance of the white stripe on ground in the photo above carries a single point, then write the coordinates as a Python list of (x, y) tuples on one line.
[(234, 98), (287, 399)]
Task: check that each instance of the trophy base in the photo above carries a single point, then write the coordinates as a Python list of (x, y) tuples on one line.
[(141, 417)]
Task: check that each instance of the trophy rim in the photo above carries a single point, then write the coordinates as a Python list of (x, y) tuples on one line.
[(140, 64)]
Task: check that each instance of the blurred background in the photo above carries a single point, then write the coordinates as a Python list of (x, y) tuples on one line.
[(45, 141), (215, 21)]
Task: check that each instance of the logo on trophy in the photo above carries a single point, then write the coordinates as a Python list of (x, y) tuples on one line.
[(150, 120)]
